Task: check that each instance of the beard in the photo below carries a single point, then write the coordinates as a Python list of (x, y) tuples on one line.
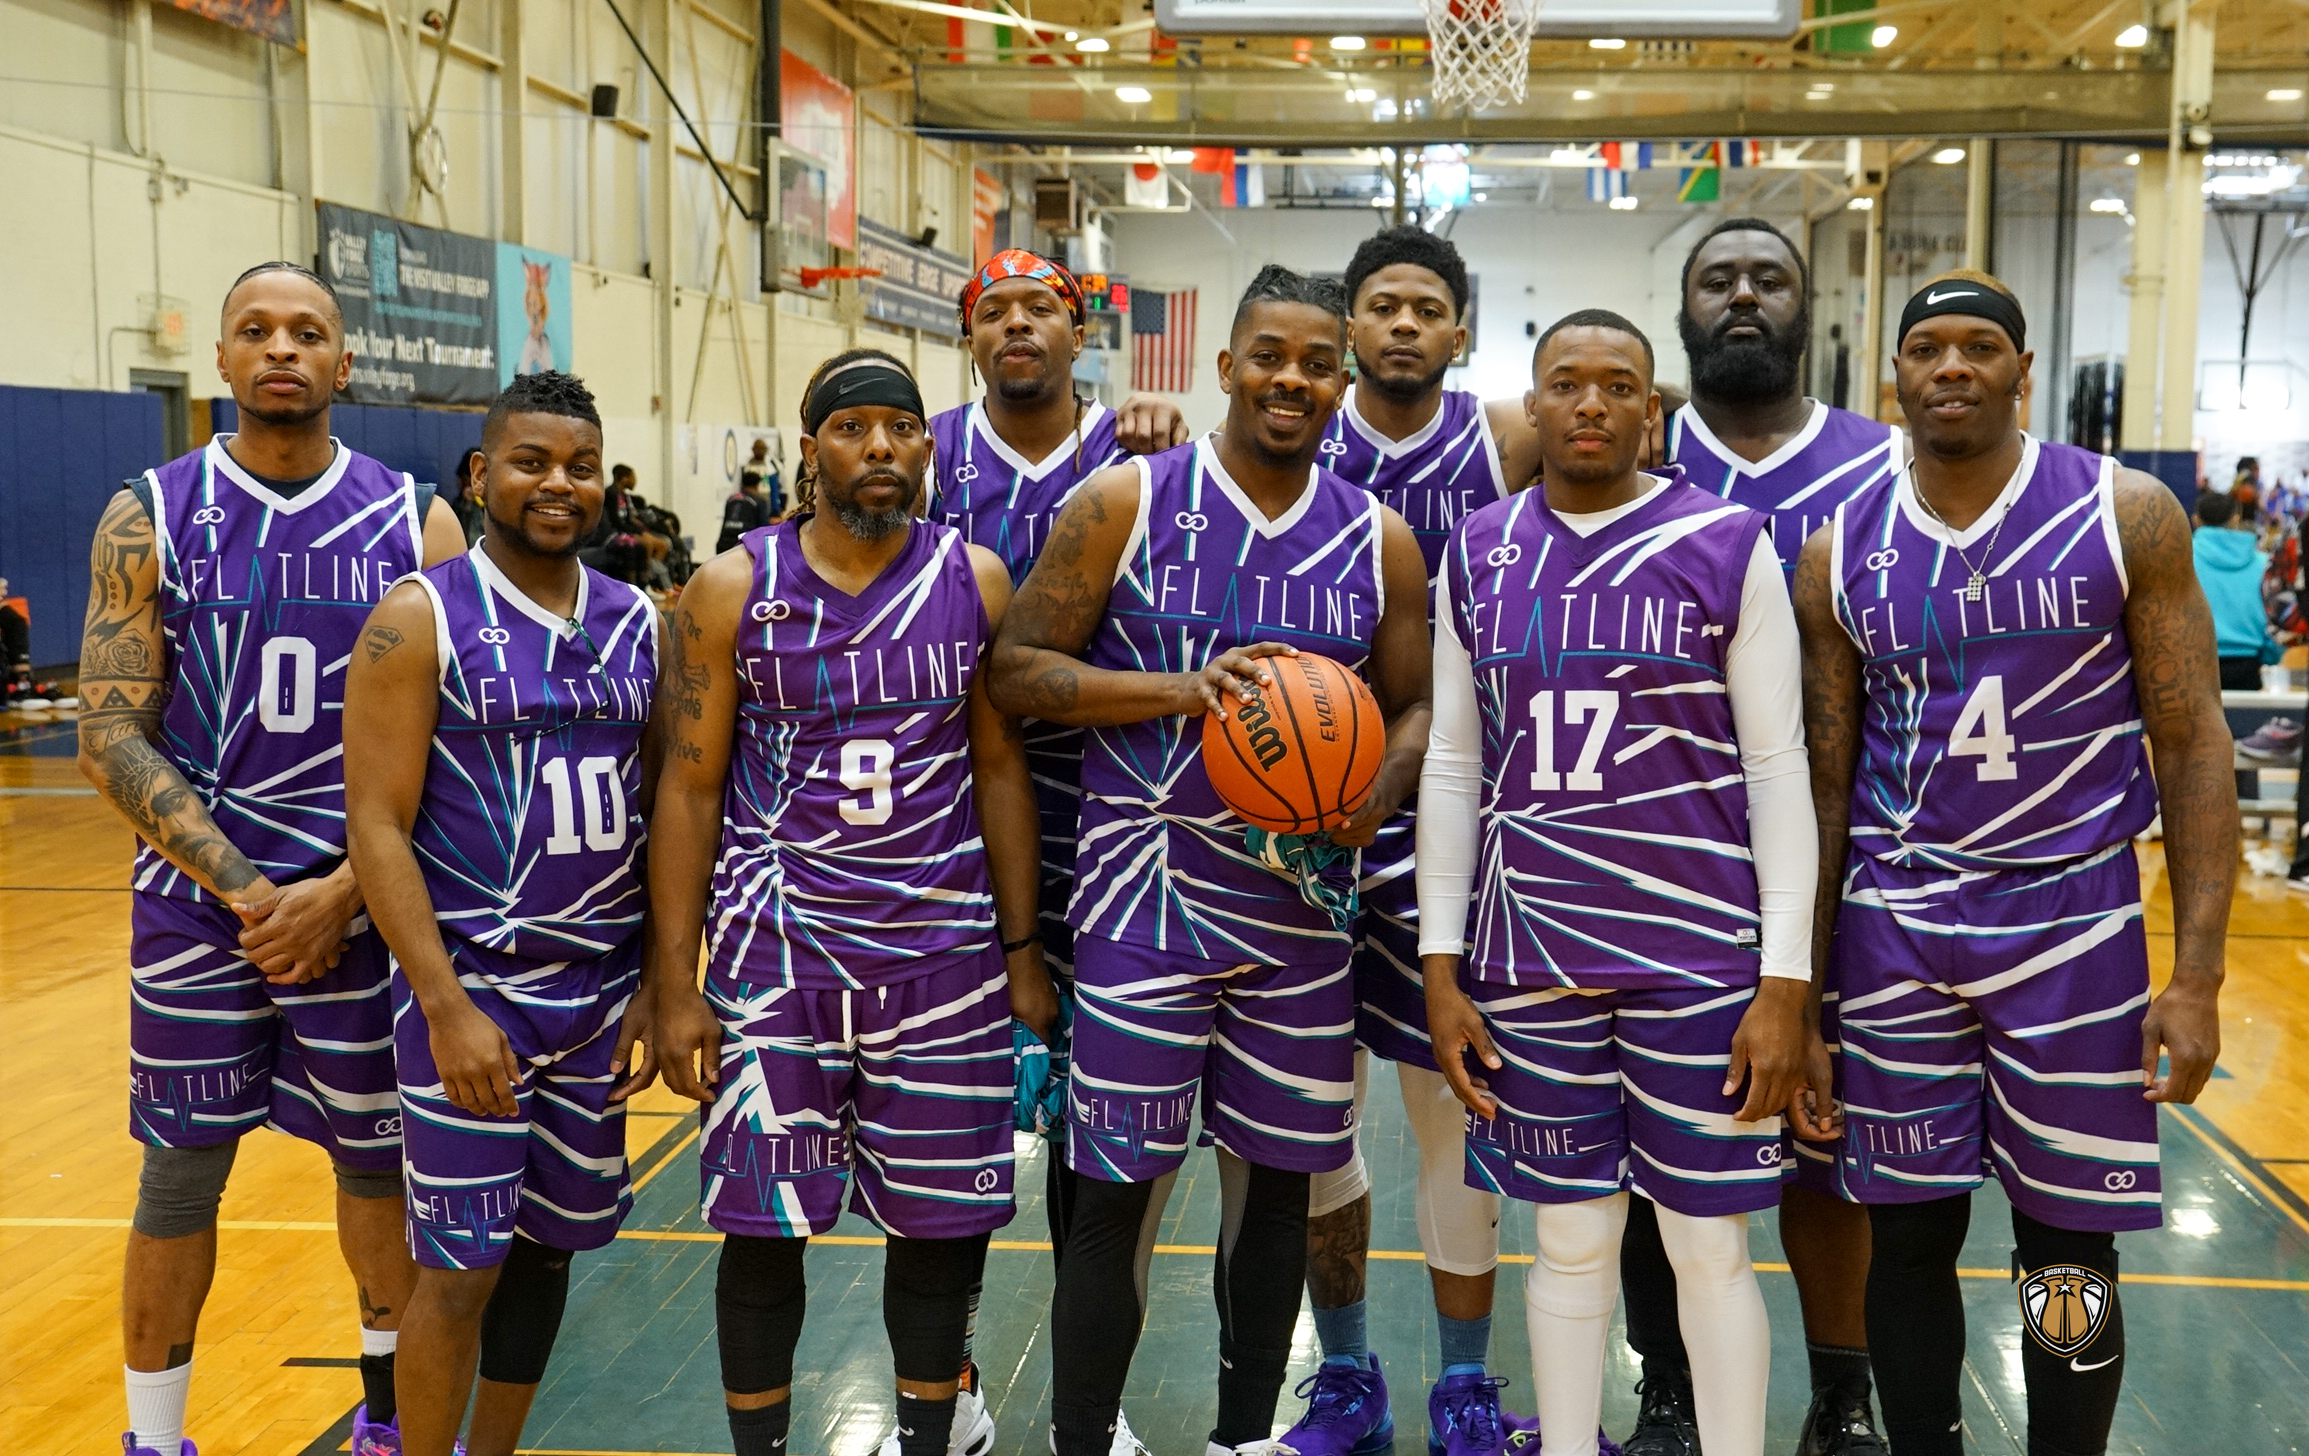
[(1745, 371), (516, 531), (1021, 390), (1408, 386), (868, 525), (283, 415)]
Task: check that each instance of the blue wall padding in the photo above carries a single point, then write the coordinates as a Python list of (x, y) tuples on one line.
[(66, 452)]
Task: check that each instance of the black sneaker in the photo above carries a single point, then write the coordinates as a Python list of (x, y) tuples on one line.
[(1840, 1423), (1665, 1425)]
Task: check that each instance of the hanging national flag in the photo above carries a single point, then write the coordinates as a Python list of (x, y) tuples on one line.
[(1218, 162), (1627, 156), (1162, 341), (1742, 154), (1605, 183), (1250, 185), (1146, 185), (1703, 183)]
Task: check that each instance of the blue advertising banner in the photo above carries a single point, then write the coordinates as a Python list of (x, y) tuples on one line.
[(920, 288), (420, 320), (532, 312)]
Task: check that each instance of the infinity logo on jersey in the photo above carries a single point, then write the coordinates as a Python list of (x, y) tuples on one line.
[(771, 611), (1883, 560), (495, 636), (208, 515), (1506, 555), (2064, 1306), (1193, 520)]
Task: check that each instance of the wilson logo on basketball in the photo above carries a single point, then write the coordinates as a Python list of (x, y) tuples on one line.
[(2064, 1305), (1259, 727), (1301, 755)]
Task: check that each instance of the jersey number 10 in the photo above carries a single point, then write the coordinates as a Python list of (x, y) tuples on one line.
[(602, 790)]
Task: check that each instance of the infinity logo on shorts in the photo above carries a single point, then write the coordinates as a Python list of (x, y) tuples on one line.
[(2120, 1180)]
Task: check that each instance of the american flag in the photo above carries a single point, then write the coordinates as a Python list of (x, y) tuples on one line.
[(1162, 341)]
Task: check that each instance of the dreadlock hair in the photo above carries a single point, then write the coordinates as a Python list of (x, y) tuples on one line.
[(1278, 284), (282, 265), (1416, 246), (1746, 225), (548, 393), (806, 475), (1595, 318)]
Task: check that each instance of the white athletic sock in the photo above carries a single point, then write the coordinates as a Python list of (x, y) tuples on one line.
[(379, 1342), (1726, 1329), (1458, 1225), (1567, 1304), (156, 1406)]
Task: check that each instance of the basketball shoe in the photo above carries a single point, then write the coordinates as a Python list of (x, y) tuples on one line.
[(374, 1438), (1465, 1418), (129, 1447), (973, 1431), (1665, 1423), (1347, 1412), (1840, 1423)]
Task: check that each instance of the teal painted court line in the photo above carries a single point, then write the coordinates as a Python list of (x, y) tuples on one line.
[(2226, 1284)]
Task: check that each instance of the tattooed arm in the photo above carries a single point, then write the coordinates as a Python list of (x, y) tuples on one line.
[(1835, 700), (123, 687), (2177, 674), (696, 716), (1402, 678), (1010, 823), (1037, 665)]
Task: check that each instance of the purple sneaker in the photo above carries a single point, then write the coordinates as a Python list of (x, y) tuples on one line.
[(2276, 741), (1347, 1413), (374, 1438), (129, 1447), (1465, 1418), (1526, 1443)]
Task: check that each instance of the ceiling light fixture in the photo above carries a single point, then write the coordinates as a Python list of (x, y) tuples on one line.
[(2286, 93), (1347, 42), (1603, 43), (1133, 95), (2133, 37), (1861, 204), (1623, 204), (1583, 96), (1883, 35), (1092, 44), (1948, 156)]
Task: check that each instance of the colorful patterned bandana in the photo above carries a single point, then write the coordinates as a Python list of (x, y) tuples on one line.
[(1019, 263)]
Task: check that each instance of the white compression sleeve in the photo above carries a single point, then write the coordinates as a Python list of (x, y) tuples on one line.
[(1458, 1225), (1726, 1329), (1567, 1304), (1450, 797), (1763, 675), (1327, 1193)]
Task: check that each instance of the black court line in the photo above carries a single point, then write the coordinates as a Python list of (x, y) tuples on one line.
[(320, 1362)]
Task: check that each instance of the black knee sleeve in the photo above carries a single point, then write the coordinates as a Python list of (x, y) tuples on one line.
[(1916, 1322), (926, 1289), (2072, 1346), (759, 1298), (1255, 1281), (368, 1182), (1096, 1313), (1648, 1285), (523, 1315), (178, 1189)]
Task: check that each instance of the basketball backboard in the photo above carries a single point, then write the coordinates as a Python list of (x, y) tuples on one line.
[(1558, 19)]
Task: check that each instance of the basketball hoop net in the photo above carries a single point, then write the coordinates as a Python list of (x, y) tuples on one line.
[(1481, 50)]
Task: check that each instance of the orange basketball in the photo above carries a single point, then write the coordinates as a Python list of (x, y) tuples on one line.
[(1301, 753)]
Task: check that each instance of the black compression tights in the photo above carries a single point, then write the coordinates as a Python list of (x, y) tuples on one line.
[(1916, 1331)]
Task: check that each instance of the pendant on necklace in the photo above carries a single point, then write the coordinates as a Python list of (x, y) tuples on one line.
[(1976, 587)]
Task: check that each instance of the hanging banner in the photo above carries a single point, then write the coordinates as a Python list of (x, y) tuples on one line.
[(532, 312), (920, 288), (272, 19), (420, 318), (987, 197), (821, 118)]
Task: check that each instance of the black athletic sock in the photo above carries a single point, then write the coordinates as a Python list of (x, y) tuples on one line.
[(377, 1389), (1838, 1368), (1916, 1322), (924, 1426), (1255, 1281), (1648, 1285), (2072, 1344), (760, 1432)]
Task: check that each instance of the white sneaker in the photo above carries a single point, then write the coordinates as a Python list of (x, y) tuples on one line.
[(972, 1435), (1269, 1446), (1124, 1443)]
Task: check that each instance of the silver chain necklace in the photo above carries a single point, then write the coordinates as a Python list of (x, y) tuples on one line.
[(1976, 581)]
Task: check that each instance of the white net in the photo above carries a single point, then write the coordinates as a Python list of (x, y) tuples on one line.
[(1480, 49)]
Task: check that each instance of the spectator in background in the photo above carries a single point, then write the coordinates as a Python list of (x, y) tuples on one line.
[(763, 471), (2229, 567), (15, 653), (747, 508)]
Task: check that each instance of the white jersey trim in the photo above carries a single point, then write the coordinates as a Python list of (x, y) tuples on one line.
[(444, 651), (221, 460), (1912, 506), (983, 428), (2106, 492), (1688, 418), (1207, 458), (495, 582), (1408, 443), (1137, 538)]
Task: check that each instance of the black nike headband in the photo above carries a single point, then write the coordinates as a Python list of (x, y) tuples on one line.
[(1974, 300), (858, 386)]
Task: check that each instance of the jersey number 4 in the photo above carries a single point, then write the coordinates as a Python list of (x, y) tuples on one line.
[(1599, 710), (1980, 732)]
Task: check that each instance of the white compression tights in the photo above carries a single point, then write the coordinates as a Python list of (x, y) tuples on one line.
[(1458, 1225), (1568, 1300)]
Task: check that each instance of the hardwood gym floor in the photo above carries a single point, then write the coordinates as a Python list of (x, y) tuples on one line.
[(2217, 1302)]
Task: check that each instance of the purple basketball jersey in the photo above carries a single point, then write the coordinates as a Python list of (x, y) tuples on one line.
[(530, 831), (2002, 731), (1835, 456), (999, 499), (261, 601), (1614, 845), (1162, 860), (1434, 477), (850, 848)]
